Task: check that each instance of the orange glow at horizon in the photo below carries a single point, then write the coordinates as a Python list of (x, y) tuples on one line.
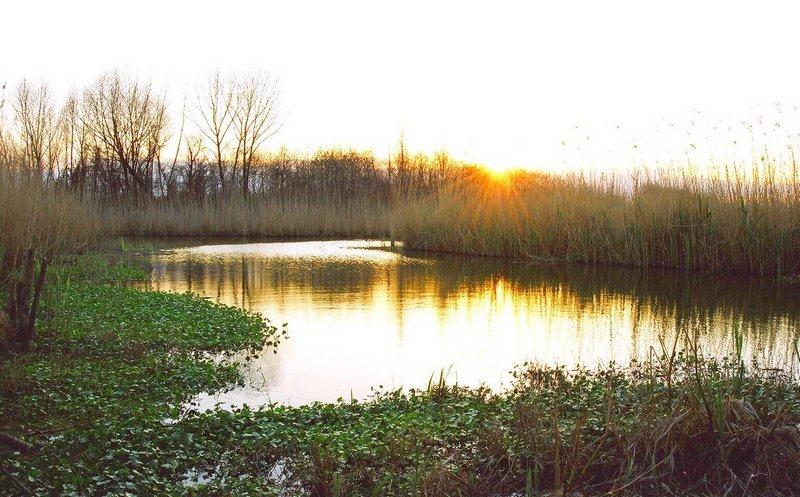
[(565, 86)]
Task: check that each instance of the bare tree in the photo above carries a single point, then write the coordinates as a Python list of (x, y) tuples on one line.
[(255, 119), (236, 116), (195, 168), (215, 110), (38, 124), (168, 175), (77, 145), (7, 146), (129, 124)]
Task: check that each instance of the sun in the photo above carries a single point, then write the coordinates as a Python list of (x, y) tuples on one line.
[(498, 172)]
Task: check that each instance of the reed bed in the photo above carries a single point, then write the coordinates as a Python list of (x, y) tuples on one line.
[(734, 223), (219, 182), (243, 217), (50, 220), (37, 224)]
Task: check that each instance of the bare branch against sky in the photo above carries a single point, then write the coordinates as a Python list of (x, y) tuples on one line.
[(506, 85)]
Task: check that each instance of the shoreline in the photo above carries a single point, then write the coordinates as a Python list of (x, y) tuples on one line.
[(125, 357)]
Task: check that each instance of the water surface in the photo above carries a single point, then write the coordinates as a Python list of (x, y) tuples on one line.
[(360, 316)]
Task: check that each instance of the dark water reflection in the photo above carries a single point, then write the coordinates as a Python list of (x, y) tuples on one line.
[(360, 316)]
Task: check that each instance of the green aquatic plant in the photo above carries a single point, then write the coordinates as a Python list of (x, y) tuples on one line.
[(113, 362), (102, 395)]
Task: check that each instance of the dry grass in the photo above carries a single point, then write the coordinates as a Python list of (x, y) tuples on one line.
[(730, 223), (6, 332), (37, 223), (48, 219), (734, 223), (241, 217)]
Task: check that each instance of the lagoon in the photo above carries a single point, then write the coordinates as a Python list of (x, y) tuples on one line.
[(361, 316)]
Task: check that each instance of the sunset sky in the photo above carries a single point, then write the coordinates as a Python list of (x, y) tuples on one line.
[(511, 83)]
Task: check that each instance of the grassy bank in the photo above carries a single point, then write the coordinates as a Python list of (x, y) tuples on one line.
[(108, 366), (99, 397)]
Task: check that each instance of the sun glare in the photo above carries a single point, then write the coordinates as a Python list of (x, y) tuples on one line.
[(483, 98), (497, 171), (346, 222)]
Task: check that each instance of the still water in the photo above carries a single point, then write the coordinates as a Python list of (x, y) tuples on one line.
[(360, 315)]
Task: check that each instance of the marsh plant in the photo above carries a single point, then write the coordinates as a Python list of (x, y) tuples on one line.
[(102, 401), (742, 221), (115, 147), (37, 224)]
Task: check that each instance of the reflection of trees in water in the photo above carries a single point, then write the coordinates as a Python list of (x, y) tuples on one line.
[(244, 281), (658, 303), (673, 304)]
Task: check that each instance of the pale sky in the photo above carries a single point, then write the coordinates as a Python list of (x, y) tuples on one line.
[(497, 82)]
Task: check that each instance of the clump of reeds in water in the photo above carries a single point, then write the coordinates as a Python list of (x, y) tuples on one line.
[(731, 222)]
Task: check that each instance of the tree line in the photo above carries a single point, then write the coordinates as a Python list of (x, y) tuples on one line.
[(116, 139)]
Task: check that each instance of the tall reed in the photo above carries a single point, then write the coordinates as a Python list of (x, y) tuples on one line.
[(37, 223), (49, 219), (731, 223), (237, 216)]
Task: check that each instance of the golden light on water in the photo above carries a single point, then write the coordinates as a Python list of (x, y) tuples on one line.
[(360, 316)]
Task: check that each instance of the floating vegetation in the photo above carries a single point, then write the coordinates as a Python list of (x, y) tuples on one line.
[(113, 363)]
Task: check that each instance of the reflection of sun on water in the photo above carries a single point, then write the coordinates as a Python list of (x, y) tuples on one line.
[(359, 318)]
